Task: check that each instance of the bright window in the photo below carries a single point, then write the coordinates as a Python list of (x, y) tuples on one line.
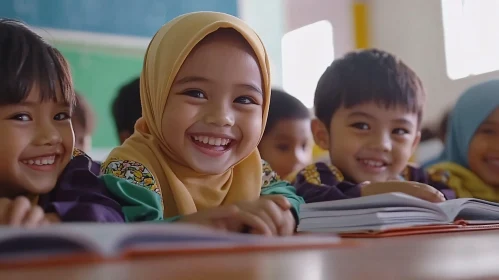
[(306, 53), (471, 33)]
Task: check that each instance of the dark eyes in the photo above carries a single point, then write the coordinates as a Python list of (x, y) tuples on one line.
[(201, 95), (283, 147), (21, 117), (400, 131), (245, 100), (365, 126), (361, 126), (26, 117), (488, 131), (62, 117), (195, 94)]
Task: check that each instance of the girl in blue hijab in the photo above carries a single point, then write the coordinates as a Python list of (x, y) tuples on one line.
[(469, 163)]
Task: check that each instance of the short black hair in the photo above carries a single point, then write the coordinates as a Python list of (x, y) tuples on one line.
[(368, 76), (83, 113), (27, 61), (126, 106), (284, 106)]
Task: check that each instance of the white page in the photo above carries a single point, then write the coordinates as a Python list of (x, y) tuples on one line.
[(373, 201), (374, 218), (470, 209)]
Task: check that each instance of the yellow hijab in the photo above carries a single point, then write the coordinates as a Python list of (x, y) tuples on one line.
[(183, 190)]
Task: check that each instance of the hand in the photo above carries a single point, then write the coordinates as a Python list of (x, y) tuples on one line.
[(416, 189), (269, 215), (218, 217), (20, 212)]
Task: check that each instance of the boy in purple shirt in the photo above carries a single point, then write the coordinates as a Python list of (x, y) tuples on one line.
[(369, 106)]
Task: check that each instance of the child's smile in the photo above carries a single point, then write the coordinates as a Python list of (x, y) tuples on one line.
[(373, 165), (213, 145), (44, 163)]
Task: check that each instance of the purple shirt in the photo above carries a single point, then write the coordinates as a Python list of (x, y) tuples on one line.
[(80, 196), (323, 182)]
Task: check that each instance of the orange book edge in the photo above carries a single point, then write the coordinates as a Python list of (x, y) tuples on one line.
[(457, 226)]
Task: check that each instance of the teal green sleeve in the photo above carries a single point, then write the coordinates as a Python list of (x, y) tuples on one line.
[(273, 185), (138, 204), (285, 189)]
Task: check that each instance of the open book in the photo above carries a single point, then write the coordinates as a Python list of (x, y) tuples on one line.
[(392, 211), (82, 241)]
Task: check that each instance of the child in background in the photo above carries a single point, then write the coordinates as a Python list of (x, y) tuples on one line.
[(369, 108), (83, 121), (287, 141), (126, 109), (42, 178), (205, 92), (469, 163)]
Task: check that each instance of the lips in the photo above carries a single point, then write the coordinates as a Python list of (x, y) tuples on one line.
[(492, 161), (41, 163), (372, 165), (212, 145), (212, 141)]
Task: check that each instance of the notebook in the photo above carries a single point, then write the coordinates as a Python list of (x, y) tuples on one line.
[(397, 214), (95, 242)]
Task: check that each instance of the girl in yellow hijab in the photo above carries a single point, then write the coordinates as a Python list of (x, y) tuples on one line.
[(205, 91)]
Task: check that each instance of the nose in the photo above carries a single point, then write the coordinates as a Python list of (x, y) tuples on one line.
[(300, 158), (381, 142), (47, 134), (219, 115)]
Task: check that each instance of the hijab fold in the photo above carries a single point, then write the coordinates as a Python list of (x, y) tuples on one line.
[(183, 190)]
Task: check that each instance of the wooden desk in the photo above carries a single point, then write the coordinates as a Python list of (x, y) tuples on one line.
[(471, 255)]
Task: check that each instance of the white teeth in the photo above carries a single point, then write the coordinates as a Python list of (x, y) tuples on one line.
[(40, 161), (214, 141), (373, 163)]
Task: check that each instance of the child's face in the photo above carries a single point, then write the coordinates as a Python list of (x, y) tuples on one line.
[(213, 116), (368, 142), (37, 144), (287, 147), (483, 152), (83, 139)]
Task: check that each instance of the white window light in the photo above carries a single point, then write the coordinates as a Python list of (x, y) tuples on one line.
[(306, 53)]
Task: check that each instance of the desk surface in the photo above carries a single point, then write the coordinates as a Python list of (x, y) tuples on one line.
[(467, 255)]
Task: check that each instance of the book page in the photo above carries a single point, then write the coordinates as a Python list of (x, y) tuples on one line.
[(373, 201), (470, 209)]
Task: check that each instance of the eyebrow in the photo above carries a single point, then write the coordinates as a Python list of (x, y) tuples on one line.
[(193, 79), (490, 122), (402, 121)]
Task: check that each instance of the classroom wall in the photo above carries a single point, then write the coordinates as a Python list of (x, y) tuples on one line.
[(338, 12), (413, 30)]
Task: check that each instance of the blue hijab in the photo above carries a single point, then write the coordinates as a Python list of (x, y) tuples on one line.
[(472, 108)]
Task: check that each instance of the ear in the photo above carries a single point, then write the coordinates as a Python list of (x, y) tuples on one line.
[(416, 142), (321, 134), (124, 135)]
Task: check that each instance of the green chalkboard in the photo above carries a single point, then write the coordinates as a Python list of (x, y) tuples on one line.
[(98, 74)]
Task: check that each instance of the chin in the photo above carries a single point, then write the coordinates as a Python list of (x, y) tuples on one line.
[(211, 170)]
